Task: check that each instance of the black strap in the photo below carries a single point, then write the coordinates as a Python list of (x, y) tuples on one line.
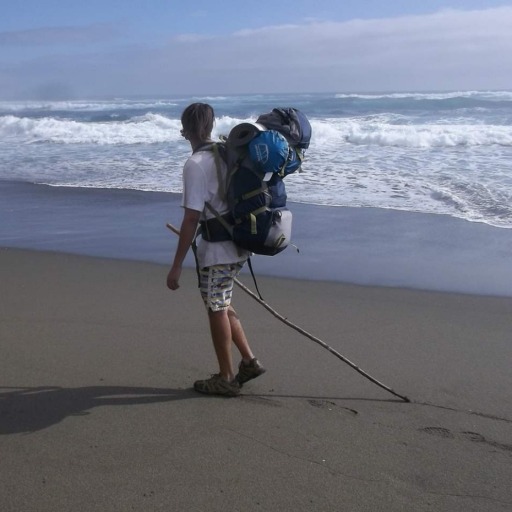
[(194, 251), (207, 146), (254, 278)]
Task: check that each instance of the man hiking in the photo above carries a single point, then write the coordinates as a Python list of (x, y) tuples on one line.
[(218, 263)]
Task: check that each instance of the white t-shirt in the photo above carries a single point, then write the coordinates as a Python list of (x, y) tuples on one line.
[(201, 184)]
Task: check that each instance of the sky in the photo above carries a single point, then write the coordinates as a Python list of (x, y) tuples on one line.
[(69, 49)]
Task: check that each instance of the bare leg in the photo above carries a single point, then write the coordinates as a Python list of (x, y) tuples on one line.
[(238, 335), (220, 328)]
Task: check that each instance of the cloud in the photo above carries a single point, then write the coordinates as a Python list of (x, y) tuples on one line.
[(446, 50), (190, 38), (441, 50), (443, 33)]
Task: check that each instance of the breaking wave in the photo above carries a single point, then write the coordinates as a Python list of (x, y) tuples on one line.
[(443, 153), (155, 128)]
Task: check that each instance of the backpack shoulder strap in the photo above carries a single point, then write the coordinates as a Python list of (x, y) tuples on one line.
[(214, 148), (220, 178)]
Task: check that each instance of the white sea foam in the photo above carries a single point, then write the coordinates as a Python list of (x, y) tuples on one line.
[(147, 129), (373, 131), (428, 136), (211, 98), (155, 128), (451, 159), (85, 106), (487, 95)]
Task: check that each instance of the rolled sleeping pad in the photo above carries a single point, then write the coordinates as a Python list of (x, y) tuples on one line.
[(243, 133)]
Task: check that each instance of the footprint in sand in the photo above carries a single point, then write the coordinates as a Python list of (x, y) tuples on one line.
[(438, 431), (326, 404), (474, 437)]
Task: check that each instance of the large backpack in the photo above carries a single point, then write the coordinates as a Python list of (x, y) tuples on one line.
[(258, 156)]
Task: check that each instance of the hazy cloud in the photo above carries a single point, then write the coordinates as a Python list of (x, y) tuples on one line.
[(446, 50), (442, 50)]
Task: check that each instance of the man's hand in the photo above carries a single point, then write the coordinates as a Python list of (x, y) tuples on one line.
[(187, 234), (173, 278)]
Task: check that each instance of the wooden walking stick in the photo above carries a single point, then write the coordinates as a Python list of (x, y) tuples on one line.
[(307, 334)]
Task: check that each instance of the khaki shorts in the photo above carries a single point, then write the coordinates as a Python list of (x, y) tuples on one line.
[(216, 285)]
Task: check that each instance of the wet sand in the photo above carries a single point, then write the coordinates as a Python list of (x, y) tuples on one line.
[(367, 246)]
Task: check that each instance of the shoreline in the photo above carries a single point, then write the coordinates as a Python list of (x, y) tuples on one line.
[(189, 268), (364, 246)]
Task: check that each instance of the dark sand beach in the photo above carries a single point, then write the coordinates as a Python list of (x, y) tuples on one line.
[(97, 411)]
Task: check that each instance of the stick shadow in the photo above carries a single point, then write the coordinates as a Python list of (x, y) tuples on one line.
[(25, 410)]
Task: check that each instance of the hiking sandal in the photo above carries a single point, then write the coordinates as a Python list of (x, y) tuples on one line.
[(216, 385), (249, 371)]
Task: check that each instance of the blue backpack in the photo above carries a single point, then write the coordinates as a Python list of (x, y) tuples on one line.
[(258, 156)]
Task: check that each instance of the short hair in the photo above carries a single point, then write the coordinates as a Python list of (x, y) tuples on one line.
[(197, 119)]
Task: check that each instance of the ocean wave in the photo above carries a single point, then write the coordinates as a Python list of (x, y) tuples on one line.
[(474, 201), (448, 153), (427, 136), (212, 98), (378, 130), (85, 105), (434, 96), (147, 129)]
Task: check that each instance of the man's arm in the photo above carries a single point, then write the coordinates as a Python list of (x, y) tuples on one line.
[(187, 232)]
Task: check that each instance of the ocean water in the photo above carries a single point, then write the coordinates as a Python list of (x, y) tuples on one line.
[(439, 153)]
